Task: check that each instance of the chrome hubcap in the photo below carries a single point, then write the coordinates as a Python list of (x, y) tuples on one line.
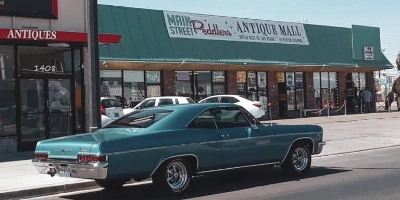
[(300, 159), (176, 175)]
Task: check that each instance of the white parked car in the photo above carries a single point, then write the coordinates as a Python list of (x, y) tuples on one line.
[(110, 110), (254, 107), (159, 101)]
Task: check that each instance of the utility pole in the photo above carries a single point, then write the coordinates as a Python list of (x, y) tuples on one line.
[(93, 44)]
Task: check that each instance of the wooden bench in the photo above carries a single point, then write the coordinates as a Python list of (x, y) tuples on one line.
[(309, 110)]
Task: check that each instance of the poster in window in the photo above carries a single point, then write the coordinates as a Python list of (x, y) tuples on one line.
[(251, 78), (219, 76), (290, 80), (262, 79), (281, 77), (241, 77), (218, 89), (152, 76)]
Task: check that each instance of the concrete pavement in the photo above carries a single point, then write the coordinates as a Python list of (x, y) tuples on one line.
[(19, 179)]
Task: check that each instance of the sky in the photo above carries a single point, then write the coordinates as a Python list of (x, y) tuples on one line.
[(342, 13)]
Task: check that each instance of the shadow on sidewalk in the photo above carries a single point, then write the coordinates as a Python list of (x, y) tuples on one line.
[(8, 157)]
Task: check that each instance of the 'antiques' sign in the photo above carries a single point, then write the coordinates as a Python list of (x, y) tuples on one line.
[(195, 26), (32, 34), (46, 9)]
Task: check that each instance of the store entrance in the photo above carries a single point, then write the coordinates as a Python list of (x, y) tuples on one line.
[(45, 108)]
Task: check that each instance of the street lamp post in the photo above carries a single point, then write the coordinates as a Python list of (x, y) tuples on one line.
[(93, 45)]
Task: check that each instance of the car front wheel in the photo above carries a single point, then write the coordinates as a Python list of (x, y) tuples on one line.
[(298, 160), (173, 176)]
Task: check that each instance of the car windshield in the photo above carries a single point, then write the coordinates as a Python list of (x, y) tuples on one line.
[(108, 103), (140, 119)]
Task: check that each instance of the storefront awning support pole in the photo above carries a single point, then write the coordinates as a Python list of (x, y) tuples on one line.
[(94, 60)]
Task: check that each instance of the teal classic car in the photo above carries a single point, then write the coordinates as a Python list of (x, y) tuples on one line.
[(173, 144)]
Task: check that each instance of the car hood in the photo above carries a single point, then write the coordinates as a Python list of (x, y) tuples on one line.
[(69, 147)]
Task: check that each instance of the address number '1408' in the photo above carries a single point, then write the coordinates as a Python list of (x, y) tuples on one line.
[(45, 68)]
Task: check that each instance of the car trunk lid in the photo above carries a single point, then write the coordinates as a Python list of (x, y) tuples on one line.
[(69, 147)]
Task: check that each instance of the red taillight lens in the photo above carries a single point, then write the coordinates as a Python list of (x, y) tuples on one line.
[(102, 110), (257, 105), (41, 156), (89, 158)]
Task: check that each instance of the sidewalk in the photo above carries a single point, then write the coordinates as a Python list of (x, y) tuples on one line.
[(19, 178)]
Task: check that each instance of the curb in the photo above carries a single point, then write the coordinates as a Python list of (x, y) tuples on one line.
[(49, 190)]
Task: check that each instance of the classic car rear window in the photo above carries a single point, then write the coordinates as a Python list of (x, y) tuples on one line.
[(140, 119)]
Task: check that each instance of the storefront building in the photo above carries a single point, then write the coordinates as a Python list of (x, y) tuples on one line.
[(293, 66), (42, 57)]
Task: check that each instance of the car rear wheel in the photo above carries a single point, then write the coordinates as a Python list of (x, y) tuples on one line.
[(173, 176), (298, 160), (110, 184)]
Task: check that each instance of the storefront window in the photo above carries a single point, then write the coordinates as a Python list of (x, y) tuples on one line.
[(317, 89), (7, 90), (133, 87), (363, 80), (202, 84), (290, 90), (252, 86), (241, 87), (194, 84), (78, 91), (44, 60), (153, 81), (299, 90), (111, 83), (329, 90), (262, 89), (218, 78), (182, 83)]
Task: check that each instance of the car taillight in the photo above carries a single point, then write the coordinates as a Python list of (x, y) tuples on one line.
[(257, 105), (41, 156), (102, 110), (91, 158)]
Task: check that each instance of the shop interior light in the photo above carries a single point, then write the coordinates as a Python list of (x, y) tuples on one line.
[(58, 45)]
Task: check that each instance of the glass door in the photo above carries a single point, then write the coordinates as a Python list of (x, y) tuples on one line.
[(33, 115), (45, 110), (59, 105)]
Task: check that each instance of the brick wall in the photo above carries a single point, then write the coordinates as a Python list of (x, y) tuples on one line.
[(232, 82), (169, 82), (273, 93)]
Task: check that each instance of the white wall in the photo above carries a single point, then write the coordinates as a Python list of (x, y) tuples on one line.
[(71, 17)]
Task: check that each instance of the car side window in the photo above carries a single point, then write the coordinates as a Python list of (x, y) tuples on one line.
[(229, 117), (148, 103), (204, 120), (229, 100), (252, 120), (211, 100), (166, 101)]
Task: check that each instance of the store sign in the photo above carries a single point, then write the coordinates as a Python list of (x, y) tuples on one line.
[(195, 26), (32, 34), (152, 77), (368, 53), (46, 9)]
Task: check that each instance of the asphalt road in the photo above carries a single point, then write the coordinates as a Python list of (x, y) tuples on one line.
[(365, 175)]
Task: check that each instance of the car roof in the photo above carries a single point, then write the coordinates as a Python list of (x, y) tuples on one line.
[(194, 106), (162, 97)]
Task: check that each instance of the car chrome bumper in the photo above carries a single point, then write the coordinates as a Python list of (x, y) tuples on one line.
[(319, 147), (97, 170)]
